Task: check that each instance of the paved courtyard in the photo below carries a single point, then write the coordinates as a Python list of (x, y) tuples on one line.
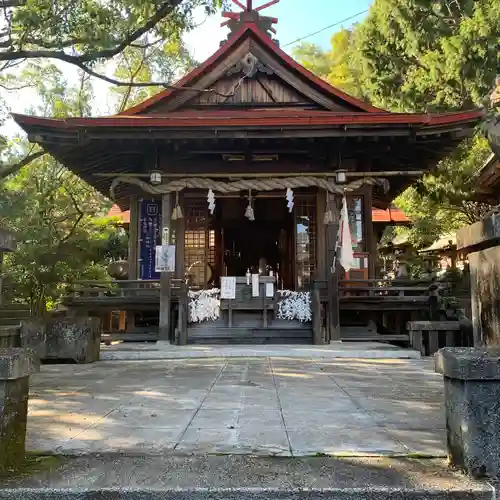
[(266, 406)]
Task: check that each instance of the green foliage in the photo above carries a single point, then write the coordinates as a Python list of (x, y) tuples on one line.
[(92, 29), (442, 203), (162, 61), (59, 221), (337, 65), (423, 56), (62, 232)]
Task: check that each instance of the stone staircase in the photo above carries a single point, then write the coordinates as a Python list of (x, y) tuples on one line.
[(248, 328)]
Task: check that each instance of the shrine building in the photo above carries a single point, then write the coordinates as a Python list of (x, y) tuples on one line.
[(239, 170)]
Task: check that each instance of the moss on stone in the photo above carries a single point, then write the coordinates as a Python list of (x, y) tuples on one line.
[(33, 463)]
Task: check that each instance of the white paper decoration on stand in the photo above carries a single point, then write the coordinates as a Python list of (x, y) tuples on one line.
[(295, 306), (204, 305), (211, 201), (289, 199)]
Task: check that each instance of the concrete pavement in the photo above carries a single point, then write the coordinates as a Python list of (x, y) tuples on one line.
[(108, 477), (259, 406)]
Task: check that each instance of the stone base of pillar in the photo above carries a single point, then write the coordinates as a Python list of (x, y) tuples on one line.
[(472, 402), (16, 366)]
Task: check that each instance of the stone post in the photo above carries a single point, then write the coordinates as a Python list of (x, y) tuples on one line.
[(472, 375), (472, 402), (16, 366)]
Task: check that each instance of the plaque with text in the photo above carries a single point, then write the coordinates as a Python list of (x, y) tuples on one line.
[(228, 287)]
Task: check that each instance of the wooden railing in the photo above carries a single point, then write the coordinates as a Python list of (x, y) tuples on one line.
[(382, 288), (118, 292)]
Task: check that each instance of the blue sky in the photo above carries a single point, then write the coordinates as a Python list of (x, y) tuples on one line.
[(308, 16), (296, 19)]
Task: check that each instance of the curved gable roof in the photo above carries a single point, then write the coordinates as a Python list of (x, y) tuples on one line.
[(251, 30)]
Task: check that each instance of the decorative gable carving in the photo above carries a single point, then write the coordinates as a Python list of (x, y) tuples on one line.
[(249, 66)]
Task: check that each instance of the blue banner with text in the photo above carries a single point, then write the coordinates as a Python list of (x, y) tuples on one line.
[(149, 237)]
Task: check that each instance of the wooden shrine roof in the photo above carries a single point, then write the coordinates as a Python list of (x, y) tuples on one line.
[(277, 105)]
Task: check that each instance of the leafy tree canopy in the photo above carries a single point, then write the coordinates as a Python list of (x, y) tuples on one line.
[(84, 32), (422, 56), (426, 55)]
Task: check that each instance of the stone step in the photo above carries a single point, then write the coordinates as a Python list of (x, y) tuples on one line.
[(243, 477), (14, 313), (10, 321), (14, 306)]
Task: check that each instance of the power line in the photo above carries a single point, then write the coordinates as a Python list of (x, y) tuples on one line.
[(326, 28)]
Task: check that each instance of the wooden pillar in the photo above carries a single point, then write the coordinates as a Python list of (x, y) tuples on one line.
[(164, 320), (133, 252), (333, 279), (370, 241), (321, 265), (1, 277), (180, 241)]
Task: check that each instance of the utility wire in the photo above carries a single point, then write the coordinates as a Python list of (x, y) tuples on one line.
[(326, 28)]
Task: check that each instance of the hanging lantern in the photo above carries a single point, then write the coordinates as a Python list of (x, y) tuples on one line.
[(177, 211), (211, 201), (249, 212), (289, 199), (155, 177)]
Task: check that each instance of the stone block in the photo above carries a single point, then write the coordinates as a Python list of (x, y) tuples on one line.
[(34, 336), (485, 295), (77, 338), (482, 234), (16, 365), (472, 407)]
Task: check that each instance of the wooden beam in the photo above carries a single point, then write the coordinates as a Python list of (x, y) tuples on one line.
[(267, 174), (266, 5), (241, 132), (165, 295)]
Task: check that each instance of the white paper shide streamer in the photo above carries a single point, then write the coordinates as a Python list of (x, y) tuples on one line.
[(295, 306), (204, 305), (211, 201)]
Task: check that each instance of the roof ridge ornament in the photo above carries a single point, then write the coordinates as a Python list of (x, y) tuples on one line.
[(250, 14)]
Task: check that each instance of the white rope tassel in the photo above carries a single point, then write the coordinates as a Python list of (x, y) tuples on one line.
[(177, 211), (249, 213), (328, 218), (211, 201)]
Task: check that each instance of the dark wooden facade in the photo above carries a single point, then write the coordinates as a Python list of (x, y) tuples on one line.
[(251, 112)]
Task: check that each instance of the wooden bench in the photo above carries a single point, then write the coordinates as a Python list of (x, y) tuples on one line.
[(429, 336)]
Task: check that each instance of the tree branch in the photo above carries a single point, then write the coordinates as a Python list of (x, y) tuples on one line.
[(11, 169), (120, 83), (166, 9)]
